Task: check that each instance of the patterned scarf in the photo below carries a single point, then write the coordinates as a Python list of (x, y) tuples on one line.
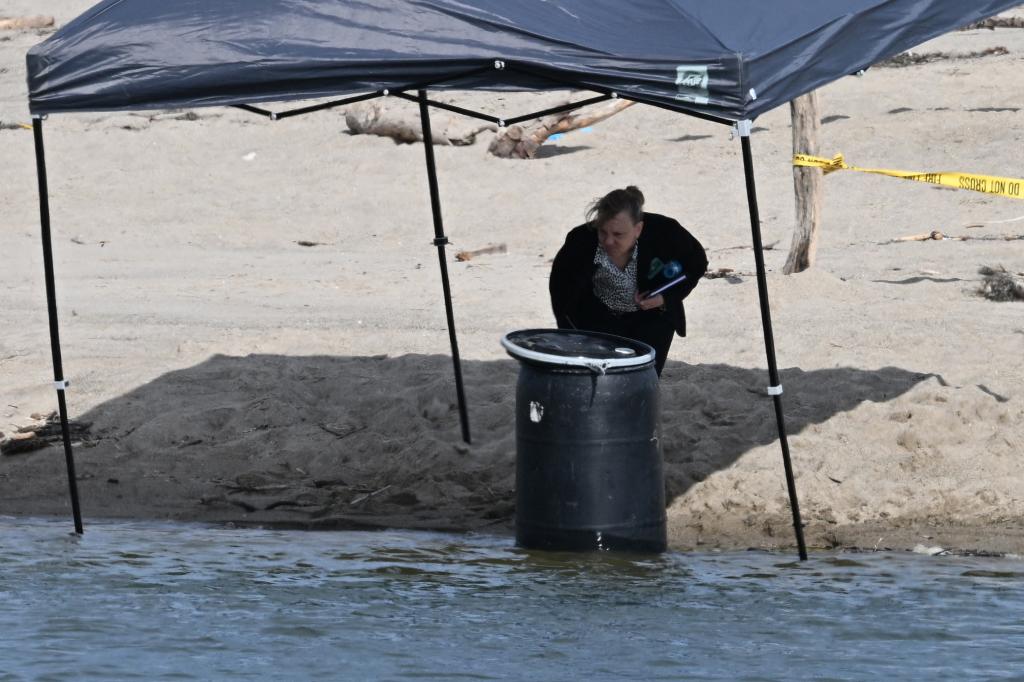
[(614, 287)]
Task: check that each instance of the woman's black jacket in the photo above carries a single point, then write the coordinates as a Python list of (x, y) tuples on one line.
[(662, 242)]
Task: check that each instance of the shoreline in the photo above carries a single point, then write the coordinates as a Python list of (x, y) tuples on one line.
[(925, 539)]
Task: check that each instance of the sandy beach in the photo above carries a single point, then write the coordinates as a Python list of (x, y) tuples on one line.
[(221, 371)]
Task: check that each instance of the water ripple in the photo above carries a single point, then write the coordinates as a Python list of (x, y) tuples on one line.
[(195, 602)]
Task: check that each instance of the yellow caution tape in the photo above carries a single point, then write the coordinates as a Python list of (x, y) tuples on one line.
[(25, 126), (989, 184)]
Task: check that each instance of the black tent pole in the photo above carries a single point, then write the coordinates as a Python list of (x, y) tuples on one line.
[(775, 389), (440, 240), (51, 302)]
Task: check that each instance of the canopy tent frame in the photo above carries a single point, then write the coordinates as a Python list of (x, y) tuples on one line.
[(441, 241), (59, 382), (497, 65)]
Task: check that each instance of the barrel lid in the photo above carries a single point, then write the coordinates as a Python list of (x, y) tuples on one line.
[(577, 348)]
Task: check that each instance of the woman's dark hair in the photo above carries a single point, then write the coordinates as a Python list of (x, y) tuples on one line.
[(630, 200)]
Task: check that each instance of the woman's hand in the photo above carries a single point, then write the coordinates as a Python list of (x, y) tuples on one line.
[(648, 303)]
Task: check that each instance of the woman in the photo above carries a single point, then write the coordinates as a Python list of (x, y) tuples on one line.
[(604, 274)]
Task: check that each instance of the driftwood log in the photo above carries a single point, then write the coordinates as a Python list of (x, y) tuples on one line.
[(806, 184), (19, 23), (923, 237), (936, 235), (402, 124), (463, 256), (522, 140)]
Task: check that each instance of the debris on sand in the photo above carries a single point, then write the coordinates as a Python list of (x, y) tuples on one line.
[(38, 436), (993, 23), (22, 23), (910, 58), (1000, 285)]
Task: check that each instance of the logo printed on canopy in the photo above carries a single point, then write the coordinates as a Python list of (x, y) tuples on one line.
[(692, 83)]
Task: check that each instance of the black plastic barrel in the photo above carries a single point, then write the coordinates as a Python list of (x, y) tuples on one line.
[(588, 463)]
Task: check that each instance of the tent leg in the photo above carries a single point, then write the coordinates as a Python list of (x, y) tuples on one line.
[(440, 240), (51, 301), (769, 341)]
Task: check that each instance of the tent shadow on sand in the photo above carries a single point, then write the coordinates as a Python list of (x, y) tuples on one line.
[(345, 442)]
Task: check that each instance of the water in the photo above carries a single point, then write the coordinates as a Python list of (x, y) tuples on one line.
[(185, 602)]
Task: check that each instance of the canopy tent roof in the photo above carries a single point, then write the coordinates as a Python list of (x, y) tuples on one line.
[(728, 59)]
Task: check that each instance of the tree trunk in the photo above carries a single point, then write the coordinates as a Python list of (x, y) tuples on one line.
[(806, 184)]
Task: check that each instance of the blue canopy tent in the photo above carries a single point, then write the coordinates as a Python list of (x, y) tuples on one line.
[(726, 61)]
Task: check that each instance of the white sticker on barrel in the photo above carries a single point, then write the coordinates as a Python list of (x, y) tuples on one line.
[(536, 411)]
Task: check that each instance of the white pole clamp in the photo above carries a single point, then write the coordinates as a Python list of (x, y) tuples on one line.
[(743, 127), (61, 385), (775, 390), (498, 64)]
